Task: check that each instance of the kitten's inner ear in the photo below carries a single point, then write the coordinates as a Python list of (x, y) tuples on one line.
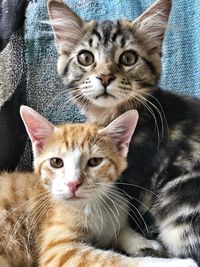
[(66, 25), (38, 128), (151, 25), (121, 130)]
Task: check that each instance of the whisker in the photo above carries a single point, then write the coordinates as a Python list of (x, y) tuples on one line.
[(165, 119), (58, 97), (116, 196), (138, 186), (128, 184), (25, 217), (160, 115), (101, 216), (154, 117), (142, 100), (128, 214), (20, 206), (107, 208), (42, 210)]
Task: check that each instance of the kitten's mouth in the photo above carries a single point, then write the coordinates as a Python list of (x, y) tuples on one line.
[(105, 95), (75, 197)]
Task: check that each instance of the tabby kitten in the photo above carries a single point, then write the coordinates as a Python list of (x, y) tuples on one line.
[(113, 66), (56, 216)]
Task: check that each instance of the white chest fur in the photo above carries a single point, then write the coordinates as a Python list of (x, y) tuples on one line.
[(105, 221)]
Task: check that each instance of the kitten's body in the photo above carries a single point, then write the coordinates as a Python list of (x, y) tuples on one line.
[(28, 215), (114, 67), (63, 215)]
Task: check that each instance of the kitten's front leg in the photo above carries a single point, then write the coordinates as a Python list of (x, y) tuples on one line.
[(60, 254), (133, 243), (80, 254)]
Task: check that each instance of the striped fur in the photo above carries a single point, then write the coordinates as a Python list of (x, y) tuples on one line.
[(42, 226), (164, 165)]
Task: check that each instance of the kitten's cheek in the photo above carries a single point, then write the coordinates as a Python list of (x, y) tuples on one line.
[(60, 190), (62, 195), (91, 88)]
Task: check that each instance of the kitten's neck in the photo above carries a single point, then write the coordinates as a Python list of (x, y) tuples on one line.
[(103, 115)]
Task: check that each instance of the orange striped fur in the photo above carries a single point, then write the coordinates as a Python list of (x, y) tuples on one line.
[(39, 227)]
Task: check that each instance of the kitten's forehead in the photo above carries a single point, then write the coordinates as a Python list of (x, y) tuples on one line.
[(76, 135), (108, 31)]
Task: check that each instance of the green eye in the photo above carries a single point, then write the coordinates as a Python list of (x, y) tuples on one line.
[(93, 162), (85, 58), (56, 163), (128, 58)]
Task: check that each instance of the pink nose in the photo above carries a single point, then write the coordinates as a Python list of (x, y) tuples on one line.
[(73, 186), (105, 79)]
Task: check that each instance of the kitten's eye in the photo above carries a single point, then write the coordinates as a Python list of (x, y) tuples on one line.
[(128, 58), (85, 58), (56, 163), (93, 162)]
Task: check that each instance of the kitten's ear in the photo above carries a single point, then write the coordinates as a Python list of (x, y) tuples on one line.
[(38, 128), (151, 25), (122, 129), (66, 25)]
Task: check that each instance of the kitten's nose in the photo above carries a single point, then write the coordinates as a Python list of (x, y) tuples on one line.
[(106, 79), (73, 186)]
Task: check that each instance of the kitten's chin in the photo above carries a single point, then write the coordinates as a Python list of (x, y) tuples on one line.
[(105, 101), (69, 197)]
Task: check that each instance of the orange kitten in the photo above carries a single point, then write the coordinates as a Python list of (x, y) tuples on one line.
[(60, 214)]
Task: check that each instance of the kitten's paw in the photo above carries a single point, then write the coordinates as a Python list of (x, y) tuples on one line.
[(156, 262), (134, 243), (145, 247), (155, 245)]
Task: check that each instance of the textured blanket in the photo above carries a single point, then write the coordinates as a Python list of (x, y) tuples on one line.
[(28, 63)]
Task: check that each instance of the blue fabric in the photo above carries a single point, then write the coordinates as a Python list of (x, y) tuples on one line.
[(181, 62)]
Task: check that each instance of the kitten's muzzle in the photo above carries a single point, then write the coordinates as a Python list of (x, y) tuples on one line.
[(105, 79), (74, 185)]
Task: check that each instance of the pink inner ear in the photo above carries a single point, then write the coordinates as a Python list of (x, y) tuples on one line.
[(122, 129), (66, 25), (37, 127)]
